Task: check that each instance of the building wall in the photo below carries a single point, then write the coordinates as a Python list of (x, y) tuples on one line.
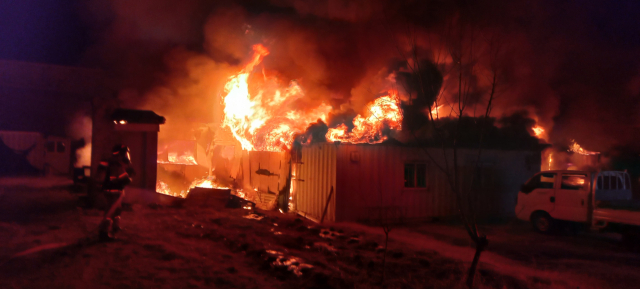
[(263, 176), (370, 185), (369, 181)]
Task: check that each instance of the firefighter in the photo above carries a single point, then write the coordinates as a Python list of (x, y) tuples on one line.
[(117, 173)]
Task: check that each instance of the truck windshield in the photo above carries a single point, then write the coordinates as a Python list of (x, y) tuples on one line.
[(540, 181)]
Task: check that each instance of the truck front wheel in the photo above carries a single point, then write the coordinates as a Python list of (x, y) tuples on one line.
[(542, 222)]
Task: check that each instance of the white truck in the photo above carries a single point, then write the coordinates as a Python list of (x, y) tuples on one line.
[(600, 200)]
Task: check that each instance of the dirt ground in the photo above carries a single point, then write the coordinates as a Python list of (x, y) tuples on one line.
[(50, 241)]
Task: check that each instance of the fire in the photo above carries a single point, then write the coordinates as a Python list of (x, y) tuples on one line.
[(184, 159), (208, 182), (258, 112), (368, 128), (538, 131), (576, 148), (435, 112), (163, 188)]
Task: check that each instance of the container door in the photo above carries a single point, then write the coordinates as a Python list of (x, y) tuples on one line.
[(572, 198)]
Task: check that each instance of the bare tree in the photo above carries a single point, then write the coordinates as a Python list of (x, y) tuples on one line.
[(457, 56)]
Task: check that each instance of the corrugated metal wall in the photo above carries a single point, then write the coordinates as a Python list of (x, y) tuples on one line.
[(265, 171), (315, 174), (371, 185), (369, 182)]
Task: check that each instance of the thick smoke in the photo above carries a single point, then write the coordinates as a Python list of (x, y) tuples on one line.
[(572, 65)]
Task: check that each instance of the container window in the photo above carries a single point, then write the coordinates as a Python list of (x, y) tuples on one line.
[(415, 175), (409, 175), (61, 147)]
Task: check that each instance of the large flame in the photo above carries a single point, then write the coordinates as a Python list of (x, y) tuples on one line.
[(384, 112), (258, 112), (576, 148)]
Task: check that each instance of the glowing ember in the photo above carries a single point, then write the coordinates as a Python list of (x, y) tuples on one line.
[(259, 113), (538, 131), (382, 113), (576, 148)]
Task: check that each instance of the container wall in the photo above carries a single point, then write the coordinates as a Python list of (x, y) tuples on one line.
[(371, 185), (31, 143), (264, 171), (370, 182), (314, 176)]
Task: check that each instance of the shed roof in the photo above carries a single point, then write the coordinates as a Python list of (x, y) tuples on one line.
[(137, 116)]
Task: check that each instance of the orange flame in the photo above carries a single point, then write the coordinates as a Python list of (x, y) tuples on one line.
[(435, 112), (209, 182), (576, 148), (258, 112), (538, 131), (186, 158), (163, 188), (368, 128)]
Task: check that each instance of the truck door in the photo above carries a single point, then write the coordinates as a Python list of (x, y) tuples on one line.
[(537, 195), (572, 198)]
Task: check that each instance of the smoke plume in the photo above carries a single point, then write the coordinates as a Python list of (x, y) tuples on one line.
[(572, 66)]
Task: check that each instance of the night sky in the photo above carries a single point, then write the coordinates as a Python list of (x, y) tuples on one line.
[(49, 31), (574, 65)]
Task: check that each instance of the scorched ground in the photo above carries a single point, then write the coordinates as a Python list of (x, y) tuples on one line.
[(50, 241)]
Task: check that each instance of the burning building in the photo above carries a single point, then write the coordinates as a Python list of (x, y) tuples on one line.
[(249, 81), (351, 171)]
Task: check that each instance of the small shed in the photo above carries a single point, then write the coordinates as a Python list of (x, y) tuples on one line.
[(402, 183), (137, 129)]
